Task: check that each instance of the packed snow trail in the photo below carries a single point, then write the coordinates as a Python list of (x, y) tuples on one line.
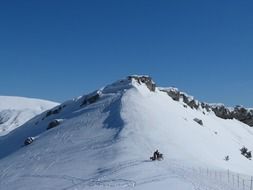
[(104, 141)]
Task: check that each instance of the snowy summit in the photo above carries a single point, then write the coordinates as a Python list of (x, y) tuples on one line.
[(104, 140)]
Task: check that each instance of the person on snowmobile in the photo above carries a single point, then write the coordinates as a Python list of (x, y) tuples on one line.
[(156, 154), (248, 155), (243, 150)]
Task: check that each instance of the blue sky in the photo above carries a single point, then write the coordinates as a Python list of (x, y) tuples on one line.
[(57, 50)]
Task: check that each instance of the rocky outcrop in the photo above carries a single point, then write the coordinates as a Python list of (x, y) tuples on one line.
[(28, 140), (91, 98), (176, 95), (206, 106), (144, 80), (240, 113), (199, 121), (221, 111), (54, 123), (53, 111), (243, 114), (173, 93)]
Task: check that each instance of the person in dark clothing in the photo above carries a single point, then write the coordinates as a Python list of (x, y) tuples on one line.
[(248, 155), (156, 154), (243, 150)]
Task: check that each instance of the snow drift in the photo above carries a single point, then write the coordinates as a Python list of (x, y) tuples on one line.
[(104, 140)]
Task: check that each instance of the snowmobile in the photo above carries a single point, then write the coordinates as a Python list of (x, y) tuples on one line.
[(159, 157)]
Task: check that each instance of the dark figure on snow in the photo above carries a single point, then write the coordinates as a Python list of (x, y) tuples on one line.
[(156, 155), (243, 150), (227, 158), (248, 155)]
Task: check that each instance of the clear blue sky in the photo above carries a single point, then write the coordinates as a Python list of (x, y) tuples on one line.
[(57, 50)]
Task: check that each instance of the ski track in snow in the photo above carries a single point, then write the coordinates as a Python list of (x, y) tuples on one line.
[(102, 179)]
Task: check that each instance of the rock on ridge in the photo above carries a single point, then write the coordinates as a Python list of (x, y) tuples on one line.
[(240, 113), (147, 80)]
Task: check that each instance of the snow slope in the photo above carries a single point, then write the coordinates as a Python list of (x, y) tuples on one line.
[(104, 141), (15, 111)]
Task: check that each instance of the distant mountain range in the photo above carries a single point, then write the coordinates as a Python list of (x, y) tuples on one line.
[(15, 111)]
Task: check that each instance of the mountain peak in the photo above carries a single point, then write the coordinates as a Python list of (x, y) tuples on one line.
[(105, 139), (144, 79), (126, 83)]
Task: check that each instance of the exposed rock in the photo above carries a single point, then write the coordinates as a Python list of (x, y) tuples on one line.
[(29, 140), (199, 121), (222, 112), (173, 93), (185, 98), (239, 112), (244, 115), (206, 106), (54, 123), (193, 104), (56, 111), (146, 80), (91, 98), (49, 113), (53, 111), (176, 95)]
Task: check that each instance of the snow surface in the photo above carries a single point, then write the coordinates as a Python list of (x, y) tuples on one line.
[(15, 111), (107, 144)]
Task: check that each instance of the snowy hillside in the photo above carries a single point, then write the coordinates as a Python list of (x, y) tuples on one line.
[(15, 111), (103, 140), (239, 112)]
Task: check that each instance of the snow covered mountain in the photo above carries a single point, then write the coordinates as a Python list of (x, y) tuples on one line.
[(15, 111), (103, 140)]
